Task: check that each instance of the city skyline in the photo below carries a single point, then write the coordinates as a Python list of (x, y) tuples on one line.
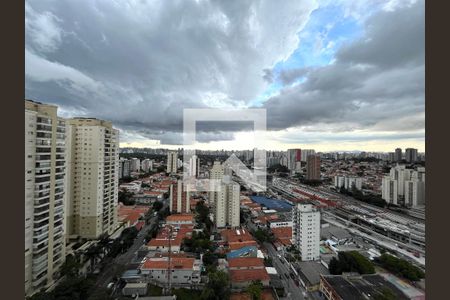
[(332, 75)]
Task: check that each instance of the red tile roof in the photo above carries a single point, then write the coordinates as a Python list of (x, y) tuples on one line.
[(180, 218), (282, 232), (245, 262), (236, 235), (249, 275), (162, 239), (239, 245), (163, 263)]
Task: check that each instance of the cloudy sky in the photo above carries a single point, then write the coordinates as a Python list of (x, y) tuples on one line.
[(332, 74)]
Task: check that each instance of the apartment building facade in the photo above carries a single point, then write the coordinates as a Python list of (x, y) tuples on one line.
[(179, 199), (313, 167), (306, 231), (224, 200), (404, 186), (172, 162), (294, 159), (45, 173), (93, 184)]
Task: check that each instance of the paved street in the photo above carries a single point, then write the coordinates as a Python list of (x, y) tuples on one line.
[(122, 260), (283, 267)]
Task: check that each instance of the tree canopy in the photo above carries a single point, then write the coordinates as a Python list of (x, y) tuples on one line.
[(218, 286), (401, 267), (255, 290), (351, 261)]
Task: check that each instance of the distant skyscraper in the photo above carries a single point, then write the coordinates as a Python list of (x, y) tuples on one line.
[(392, 157), (179, 200), (135, 165), (93, 185), (404, 186), (313, 167), (411, 155), (194, 166), (124, 168), (306, 231), (172, 162), (45, 188), (398, 154), (414, 192), (294, 156), (306, 153), (389, 190), (147, 165), (348, 182)]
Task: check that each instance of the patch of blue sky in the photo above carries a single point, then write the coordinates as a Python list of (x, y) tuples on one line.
[(328, 28)]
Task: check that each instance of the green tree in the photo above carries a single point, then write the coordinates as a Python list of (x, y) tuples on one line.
[(263, 235), (93, 254), (217, 287), (351, 261), (157, 205), (255, 290), (202, 215), (210, 259), (126, 197), (71, 266), (401, 267)]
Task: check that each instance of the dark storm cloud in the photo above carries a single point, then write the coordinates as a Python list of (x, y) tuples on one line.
[(372, 82), (142, 62), (139, 63)]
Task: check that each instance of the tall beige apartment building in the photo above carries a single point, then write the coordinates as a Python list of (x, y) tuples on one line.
[(172, 162), (93, 165), (45, 159), (225, 200)]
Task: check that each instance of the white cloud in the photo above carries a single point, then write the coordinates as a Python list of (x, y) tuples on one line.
[(42, 29)]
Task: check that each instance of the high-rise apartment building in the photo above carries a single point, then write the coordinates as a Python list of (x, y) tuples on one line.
[(401, 174), (216, 173), (45, 162), (306, 153), (414, 192), (404, 186), (147, 165), (172, 162), (398, 154), (135, 164), (306, 231), (227, 204), (294, 157), (93, 185), (194, 166), (179, 199), (391, 156), (124, 168), (224, 201), (411, 155), (389, 190), (348, 182), (313, 167)]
